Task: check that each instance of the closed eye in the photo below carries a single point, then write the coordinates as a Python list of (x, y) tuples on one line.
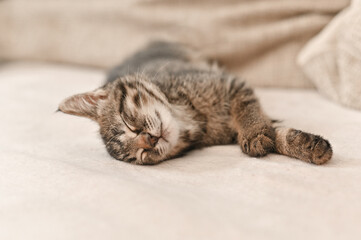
[(131, 128)]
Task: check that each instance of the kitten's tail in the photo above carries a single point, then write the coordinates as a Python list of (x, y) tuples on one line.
[(305, 146)]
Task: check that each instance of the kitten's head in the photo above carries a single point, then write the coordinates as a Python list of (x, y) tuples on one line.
[(136, 121)]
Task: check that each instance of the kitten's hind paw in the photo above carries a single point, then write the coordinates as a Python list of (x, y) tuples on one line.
[(322, 151), (308, 147)]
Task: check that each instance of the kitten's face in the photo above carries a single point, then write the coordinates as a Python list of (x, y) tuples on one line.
[(136, 121)]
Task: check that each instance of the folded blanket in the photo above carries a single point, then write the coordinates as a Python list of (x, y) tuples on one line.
[(332, 60), (256, 39)]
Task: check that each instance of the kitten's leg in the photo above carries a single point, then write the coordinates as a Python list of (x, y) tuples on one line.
[(256, 135), (305, 146)]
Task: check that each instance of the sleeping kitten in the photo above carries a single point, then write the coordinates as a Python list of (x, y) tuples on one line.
[(164, 101)]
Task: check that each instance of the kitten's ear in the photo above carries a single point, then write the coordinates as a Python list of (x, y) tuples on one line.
[(84, 104)]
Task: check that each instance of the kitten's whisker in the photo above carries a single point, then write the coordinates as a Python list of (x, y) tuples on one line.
[(125, 157), (160, 68), (117, 135), (111, 152), (131, 159), (149, 123), (142, 73), (153, 122)]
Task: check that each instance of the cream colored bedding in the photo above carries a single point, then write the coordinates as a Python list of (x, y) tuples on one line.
[(58, 182)]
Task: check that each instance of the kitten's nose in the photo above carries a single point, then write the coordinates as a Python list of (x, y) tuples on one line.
[(147, 141), (153, 140)]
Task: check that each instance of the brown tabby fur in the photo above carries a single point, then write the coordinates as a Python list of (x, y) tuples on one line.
[(164, 101)]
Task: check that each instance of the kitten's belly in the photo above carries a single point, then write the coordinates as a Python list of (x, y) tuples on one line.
[(219, 133)]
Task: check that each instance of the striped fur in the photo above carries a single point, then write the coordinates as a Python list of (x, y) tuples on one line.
[(164, 101)]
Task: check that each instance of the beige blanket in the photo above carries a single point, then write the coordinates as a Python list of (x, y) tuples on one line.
[(256, 39), (58, 182), (332, 60)]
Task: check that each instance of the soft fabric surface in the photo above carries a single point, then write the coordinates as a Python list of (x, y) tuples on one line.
[(332, 60), (257, 39), (58, 182)]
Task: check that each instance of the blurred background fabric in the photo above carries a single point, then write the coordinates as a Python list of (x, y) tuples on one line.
[(332, 60), (259, 40)]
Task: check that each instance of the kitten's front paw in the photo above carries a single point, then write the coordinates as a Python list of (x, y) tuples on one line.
[(147, 158), (258, 145)]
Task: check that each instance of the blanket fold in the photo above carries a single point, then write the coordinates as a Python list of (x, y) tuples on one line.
[(258, 40), (332, 60)]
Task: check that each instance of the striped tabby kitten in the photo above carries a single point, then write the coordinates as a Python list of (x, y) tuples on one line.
[(164, 101)]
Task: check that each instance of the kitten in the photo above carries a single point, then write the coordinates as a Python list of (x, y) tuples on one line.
[(164, 101)]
